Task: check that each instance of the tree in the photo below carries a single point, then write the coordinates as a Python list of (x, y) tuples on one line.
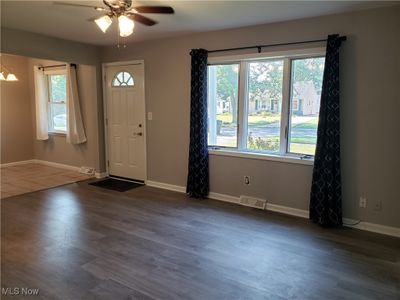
[(58, 87), (227, 86), (265, 80), (310, 69)]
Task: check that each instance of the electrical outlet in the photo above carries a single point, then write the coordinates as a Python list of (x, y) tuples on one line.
[(246, 180), (378, 205), (363, 202)]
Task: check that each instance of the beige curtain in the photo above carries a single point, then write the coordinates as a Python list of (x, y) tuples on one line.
[(41, 98), (75, 129)]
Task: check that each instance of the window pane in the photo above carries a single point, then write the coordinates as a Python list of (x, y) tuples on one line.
[(122, 79), (304, 104), (223, 83), (58, 117), (264, 105), (58, 91)]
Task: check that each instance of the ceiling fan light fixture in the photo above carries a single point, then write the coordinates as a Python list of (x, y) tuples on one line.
[(11, 77), (2, 76), (103, 22), (126, 26)]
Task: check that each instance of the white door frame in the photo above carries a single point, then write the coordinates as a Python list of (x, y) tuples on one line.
[(103, 75)]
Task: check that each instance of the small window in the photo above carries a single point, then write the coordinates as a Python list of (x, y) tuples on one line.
[(57, 112), (122, 79)]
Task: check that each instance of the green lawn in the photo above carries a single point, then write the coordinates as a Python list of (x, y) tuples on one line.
[(312, 124), (304, 140), (303, 148), (304, 145), (267, 119), (254, 120)]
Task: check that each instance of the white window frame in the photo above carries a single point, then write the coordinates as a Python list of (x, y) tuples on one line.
[(49, 73), (243, 61)]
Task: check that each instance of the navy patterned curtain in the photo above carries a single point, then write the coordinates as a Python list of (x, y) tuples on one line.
[(326, 189), (198, 180)]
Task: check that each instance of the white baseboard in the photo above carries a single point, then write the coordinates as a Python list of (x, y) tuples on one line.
[(166, 186), (100, 175), (372, 227), (288, 210), (56, 165), (46, 163), (17, 163), (223, 197)]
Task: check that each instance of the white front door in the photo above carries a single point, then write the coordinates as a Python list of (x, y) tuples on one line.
[(126, 121)]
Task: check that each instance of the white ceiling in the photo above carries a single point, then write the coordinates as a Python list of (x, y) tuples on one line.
[(190, 16)]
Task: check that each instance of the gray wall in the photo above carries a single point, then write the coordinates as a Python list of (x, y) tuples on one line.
[(16, 112), (56, 148), (370, 108), (89, 73)]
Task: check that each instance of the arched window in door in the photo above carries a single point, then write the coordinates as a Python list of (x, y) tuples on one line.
[(122, 79)]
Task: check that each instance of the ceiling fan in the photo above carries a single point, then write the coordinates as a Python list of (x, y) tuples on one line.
[(123, 11)]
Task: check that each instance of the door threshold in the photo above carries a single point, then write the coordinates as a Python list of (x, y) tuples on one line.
[(127, 179)]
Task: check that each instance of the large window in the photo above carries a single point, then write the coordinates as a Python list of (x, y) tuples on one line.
[(266, 105), (57, 108)]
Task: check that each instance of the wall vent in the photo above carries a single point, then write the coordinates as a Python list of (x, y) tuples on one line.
[(252, 202)]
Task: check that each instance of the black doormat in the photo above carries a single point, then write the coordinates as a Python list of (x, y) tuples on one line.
[(116, 185)]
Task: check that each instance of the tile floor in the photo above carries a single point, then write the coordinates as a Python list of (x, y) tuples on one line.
[(21, 179)]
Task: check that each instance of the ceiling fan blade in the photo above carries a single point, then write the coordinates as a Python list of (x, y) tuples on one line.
[(154, 9), (94, 18), (142, 19), (78, 5)]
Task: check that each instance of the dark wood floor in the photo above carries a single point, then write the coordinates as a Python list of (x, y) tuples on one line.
[(84, 242)]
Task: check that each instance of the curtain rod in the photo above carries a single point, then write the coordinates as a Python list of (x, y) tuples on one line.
[(55, 66), (259, 47)]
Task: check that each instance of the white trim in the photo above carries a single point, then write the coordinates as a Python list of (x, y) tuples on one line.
[(372, 227), (103, 70), (366, 226), (100, 175), (224, 197), (123, 63), (262, 156), (166, 186), (287, 210), (285, 108), (244, 59), (56, 165), (17, 163), (267, 55), (43, 162)]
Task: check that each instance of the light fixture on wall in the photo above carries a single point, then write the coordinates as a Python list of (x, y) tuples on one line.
[(126, 14), (10, 75)]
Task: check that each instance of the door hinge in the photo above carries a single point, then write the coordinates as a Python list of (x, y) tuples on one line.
[(108, 163), (106, 122)]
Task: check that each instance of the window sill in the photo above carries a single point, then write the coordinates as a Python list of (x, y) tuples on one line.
[(58, 133), (262, 156)]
